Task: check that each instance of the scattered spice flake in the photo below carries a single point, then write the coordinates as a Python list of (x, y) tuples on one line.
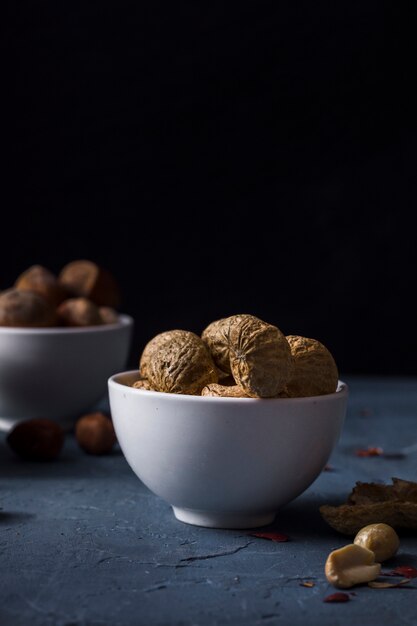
[(328, 468), (307, 583), (375, 584), (404, 570), (339, 596), (365, 411), (370, 451), (272, 536)]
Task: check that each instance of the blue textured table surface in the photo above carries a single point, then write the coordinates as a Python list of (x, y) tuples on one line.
[(84, 543)]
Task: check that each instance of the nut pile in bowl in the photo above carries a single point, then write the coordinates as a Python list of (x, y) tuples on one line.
[(83, 294), (240, 356), (61, 337)]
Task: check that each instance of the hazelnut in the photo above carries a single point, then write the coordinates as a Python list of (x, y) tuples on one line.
[(380, 538), (21, 308), (87, 279), (351, 565), (108, 315), (43, 282), (78, 312), (95, 433), (38, 439)]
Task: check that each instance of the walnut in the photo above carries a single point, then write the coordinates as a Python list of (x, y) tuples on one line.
[(260, 357), (249, 354), (155, 344), (181, 364), (217, 338), (142, 383), (89, 280), (78, 312), (223, 391), (28, 309), (42, 281), (314, 369), (371, 503)]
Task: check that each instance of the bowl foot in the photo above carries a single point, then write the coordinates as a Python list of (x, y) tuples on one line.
[(212, 519)]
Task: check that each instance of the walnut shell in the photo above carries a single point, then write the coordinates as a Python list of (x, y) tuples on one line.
[(372, 503), (142, 383), (28, 309), (87, 279), (155, 344), (260, 357), (217, 338), (42, 281), (223, 391), (78, 312), (314, 369), (401, 490), (181, 365)]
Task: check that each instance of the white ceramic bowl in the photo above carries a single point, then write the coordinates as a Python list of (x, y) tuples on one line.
[(225, 462), (58, 372)]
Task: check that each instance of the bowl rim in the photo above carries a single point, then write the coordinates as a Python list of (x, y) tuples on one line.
[(341, 392), (124, 321)]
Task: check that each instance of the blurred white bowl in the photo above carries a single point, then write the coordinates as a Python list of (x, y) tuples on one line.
[(225, 462), (58, 373)]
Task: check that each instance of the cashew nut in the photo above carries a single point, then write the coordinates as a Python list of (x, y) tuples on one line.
[(351, 565), (380, 538)]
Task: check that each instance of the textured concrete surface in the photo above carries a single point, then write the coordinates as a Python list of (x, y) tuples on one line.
[(84, 543)]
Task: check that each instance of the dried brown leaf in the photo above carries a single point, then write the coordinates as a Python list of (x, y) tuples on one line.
[(372, 503)]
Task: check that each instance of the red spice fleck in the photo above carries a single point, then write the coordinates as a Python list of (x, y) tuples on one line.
[(404, 570), (370, 451), (272, 536), (328, 468), (339, 596), (307, 583)]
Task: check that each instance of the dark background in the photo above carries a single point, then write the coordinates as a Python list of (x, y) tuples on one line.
[(220, 159)]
